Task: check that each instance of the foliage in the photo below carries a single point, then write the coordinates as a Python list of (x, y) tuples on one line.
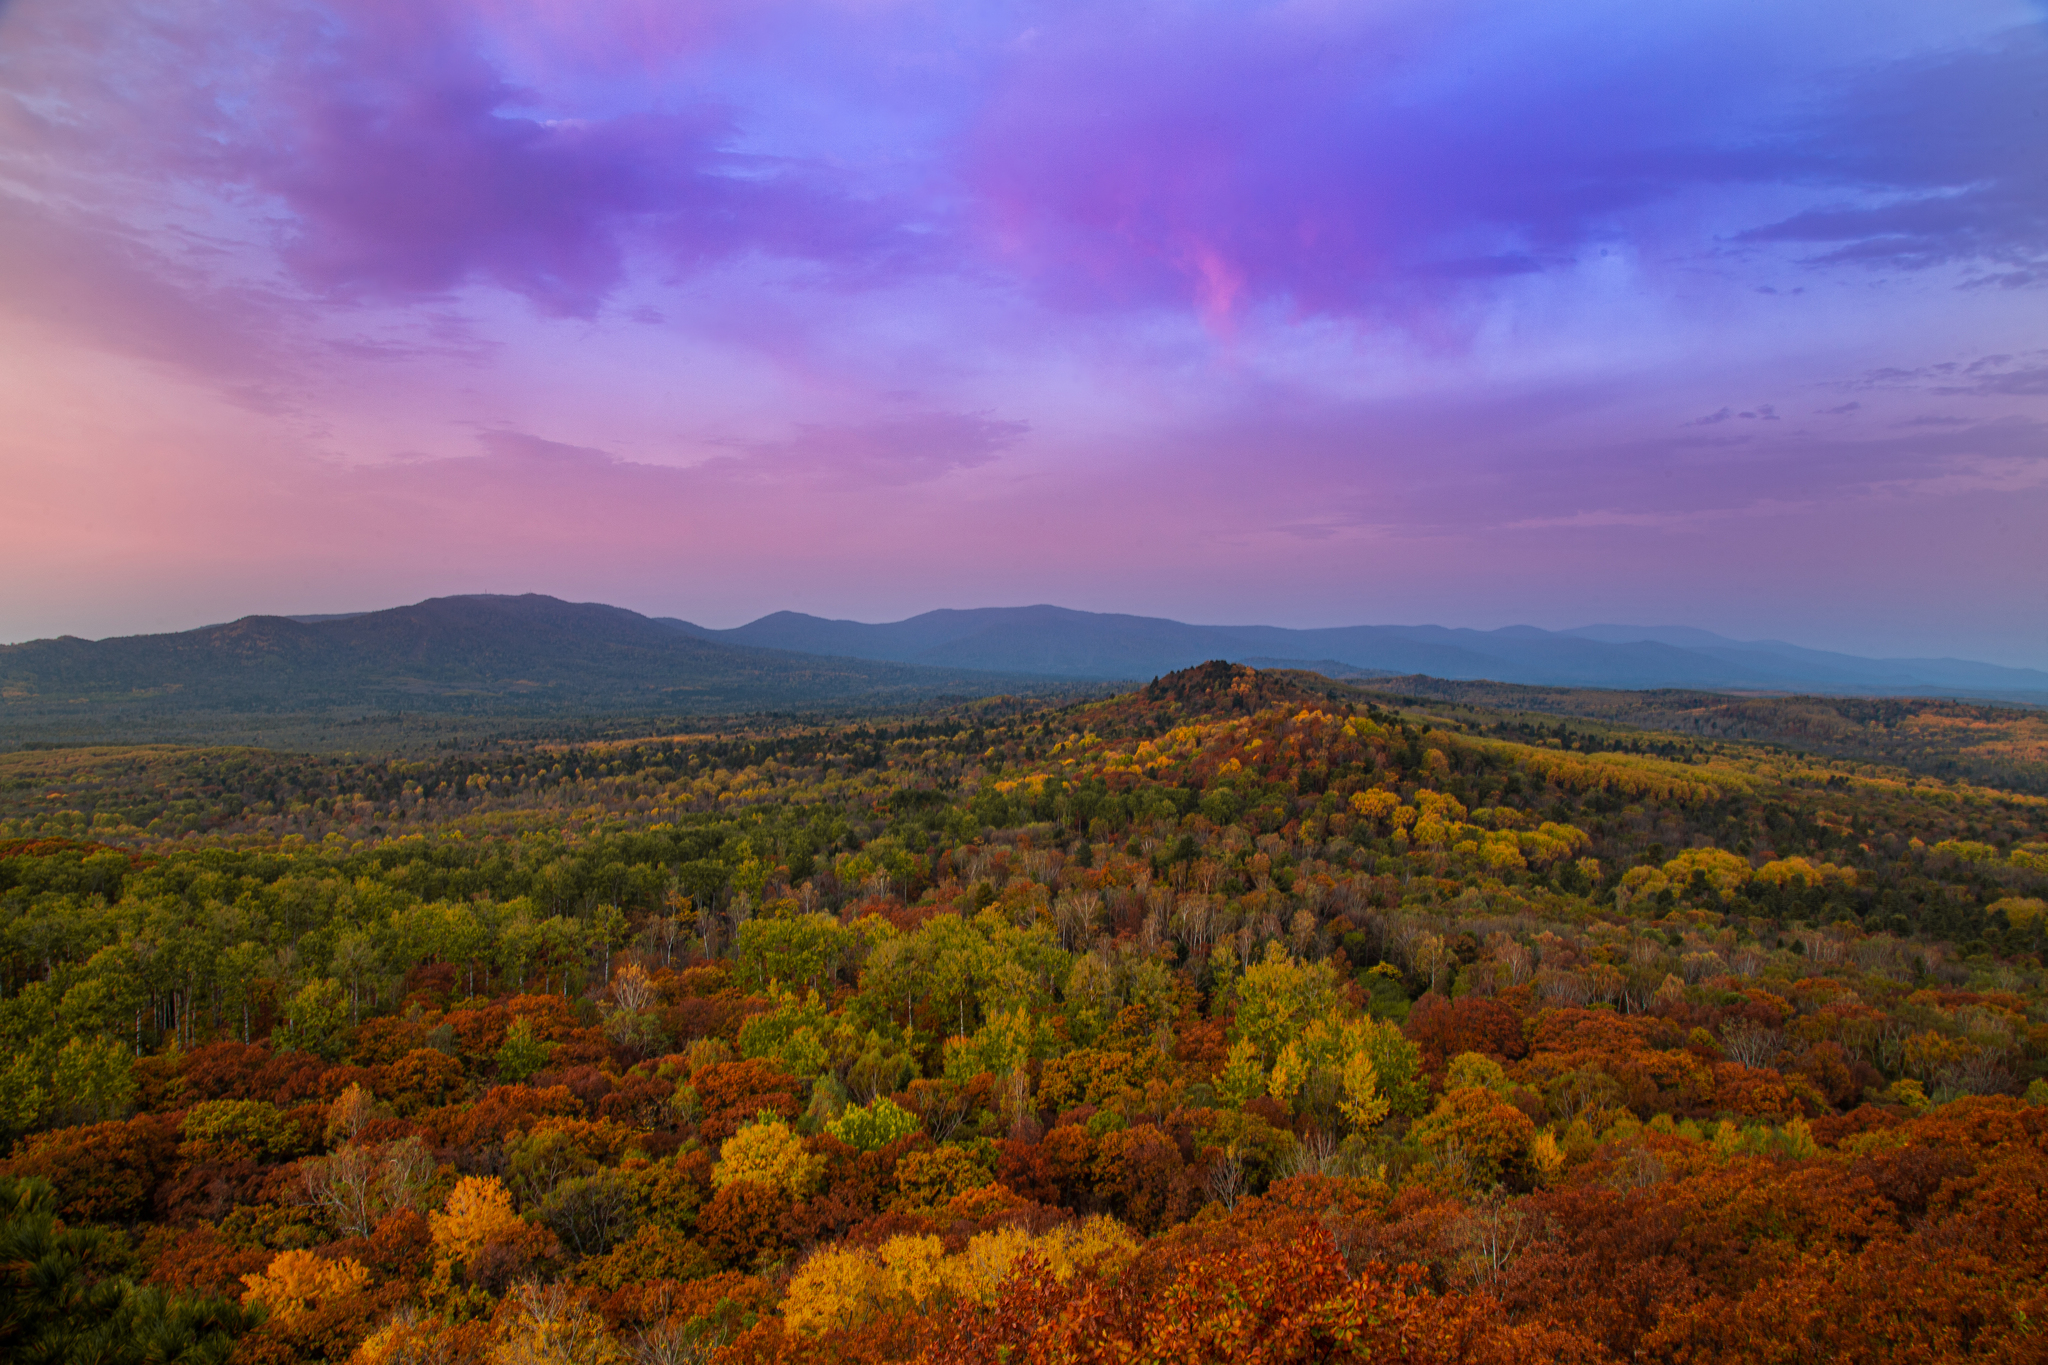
[(478, 1212), (933, 1178), (552, 1326), (871, 1127), (768, 1152), (296, 1282), (523, 1052), (1240, 1017)]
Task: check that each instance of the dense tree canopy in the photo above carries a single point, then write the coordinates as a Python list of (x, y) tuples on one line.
[(1220, 1021)]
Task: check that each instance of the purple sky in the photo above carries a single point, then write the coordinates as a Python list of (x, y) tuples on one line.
[(1725, 314)]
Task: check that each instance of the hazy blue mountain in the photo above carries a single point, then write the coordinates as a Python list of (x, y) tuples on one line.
[(1077, 644), (1826, 665)]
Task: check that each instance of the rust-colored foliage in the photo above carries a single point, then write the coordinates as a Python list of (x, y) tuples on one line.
[(742, 1225), (1265, 1303), (1444, 1028), (734, 1093), (420, 1079), (1142, 1178), (105, 1172), (197, 1260), (505, 1109)]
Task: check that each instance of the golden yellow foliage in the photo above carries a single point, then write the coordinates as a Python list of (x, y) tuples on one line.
[(983, 1265), (769, 1153), (1099, 1245), (844, 1287), (1289, 1073), (835, 1288), (1437, 805), (928, 1180), (1927, 1053), (916, 1267), (1502, 851), (412, 1338), (2020, 911), (552, 1326), (1546, 1155), (1725, 872), (1624, 774), (1787, 870), (1375, 804), (1430, 832), (1362, 1105), (479, 1209), (297, 1281), (1550, 842), (351, 1111)]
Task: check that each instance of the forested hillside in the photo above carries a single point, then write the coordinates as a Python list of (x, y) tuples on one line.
[(1236, 1018), (2003, 746)]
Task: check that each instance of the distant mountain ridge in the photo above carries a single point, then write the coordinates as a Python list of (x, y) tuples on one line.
[(539, 656), (474, 653), (1075, 644)]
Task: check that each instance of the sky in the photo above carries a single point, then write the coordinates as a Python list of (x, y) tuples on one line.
[(1719, 313)]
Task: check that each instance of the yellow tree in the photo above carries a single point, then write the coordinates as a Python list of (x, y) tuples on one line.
[(296, 1282), (768, 1152), (1362, 1106), (479, 1210), (553, 1326)]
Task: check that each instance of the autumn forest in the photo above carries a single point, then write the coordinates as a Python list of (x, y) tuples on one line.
[(1242, 1017)]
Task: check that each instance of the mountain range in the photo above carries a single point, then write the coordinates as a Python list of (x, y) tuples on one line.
[(482, 654), (537, 655), (1078, 644)]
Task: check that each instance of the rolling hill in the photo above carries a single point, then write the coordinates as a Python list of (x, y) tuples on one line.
[(478, 654)]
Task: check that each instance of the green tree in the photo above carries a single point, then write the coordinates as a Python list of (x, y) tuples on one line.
[(795, 1034), (242, 970), (355, 961), (873, 1126), (1279, 997), (316, 1019), (797, 950), (605, 930), (93, 1079), (522, 1053)]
